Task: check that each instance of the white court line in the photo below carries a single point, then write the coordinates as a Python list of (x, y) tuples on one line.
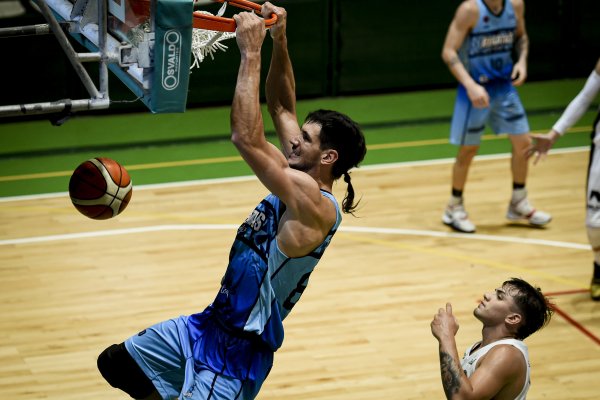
[(253, 177), (472, 236), (391, 231), (114, 232), (350, 229), (139, 187)]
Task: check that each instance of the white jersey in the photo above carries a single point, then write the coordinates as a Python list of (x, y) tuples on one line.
[(469, 361)]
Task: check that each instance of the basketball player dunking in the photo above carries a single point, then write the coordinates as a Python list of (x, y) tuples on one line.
[(226, 351)]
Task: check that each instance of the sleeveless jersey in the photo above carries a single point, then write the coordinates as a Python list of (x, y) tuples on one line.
[(469, 361), (487, 50), (240, 330), (592, 219)]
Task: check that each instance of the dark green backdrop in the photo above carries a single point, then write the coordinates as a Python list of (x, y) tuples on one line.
[(339, 47)]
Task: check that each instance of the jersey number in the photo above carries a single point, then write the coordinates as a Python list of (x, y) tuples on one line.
[(300, 288), (497, 64)]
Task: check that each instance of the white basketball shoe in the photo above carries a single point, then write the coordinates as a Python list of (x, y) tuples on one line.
[(457, 218), (522, 209)]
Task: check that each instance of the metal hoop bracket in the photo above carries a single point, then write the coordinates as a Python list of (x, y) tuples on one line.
[(222, 24)]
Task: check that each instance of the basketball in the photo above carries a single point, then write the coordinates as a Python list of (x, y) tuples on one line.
[(100, 188)]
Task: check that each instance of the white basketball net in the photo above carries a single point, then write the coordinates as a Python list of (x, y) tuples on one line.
[(206, 43)]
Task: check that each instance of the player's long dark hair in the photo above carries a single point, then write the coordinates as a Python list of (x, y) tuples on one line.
[(342, 134), (536, 307)]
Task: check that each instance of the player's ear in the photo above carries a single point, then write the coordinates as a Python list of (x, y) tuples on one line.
[(329, 156), (513, 319)]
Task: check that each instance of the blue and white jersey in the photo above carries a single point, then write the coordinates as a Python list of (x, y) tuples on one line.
[(487, 50), (260, 287)]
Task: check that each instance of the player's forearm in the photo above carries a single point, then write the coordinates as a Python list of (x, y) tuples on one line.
[(454, 381), (457, 68), (281, 85), (246, 117), (522, 48), (281, 92), (579, 105)]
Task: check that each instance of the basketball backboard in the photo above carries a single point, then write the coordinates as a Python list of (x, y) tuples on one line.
[(148, 41), (145, 43)]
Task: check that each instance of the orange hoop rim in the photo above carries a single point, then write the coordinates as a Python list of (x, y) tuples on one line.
[(222, 24)]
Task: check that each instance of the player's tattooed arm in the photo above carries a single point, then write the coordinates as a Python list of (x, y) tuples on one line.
[(453, 61), (450, 375), (522, 45)]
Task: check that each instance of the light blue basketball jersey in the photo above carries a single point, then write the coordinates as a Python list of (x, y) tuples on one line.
[(238, 333), (487, 55), (486, 52)]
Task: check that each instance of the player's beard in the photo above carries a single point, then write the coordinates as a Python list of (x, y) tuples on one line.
[(299, 163)]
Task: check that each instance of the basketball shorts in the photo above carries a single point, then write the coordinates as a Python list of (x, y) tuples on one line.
[(164, 353), (504, 115), (593, 181)]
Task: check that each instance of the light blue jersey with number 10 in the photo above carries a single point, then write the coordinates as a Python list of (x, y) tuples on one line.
[(487, 52)]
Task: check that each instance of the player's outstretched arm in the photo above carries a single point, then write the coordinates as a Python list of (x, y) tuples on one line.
[(247, 129), (280, 87), (542, 143), (298, 190)]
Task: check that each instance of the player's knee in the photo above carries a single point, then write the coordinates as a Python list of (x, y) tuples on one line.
[(520, 143), (466, 154), (121, 371)]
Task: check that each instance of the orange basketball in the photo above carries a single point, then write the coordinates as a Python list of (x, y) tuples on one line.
[(100, 188)]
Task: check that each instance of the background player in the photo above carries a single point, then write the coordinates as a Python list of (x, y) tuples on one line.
[(497, 367), (226, 351), (542, 144), (485, 32)]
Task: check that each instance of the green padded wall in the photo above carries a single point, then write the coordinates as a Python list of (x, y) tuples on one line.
[(338, 47)]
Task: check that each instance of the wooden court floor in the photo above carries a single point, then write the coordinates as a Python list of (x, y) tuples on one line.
[(71, 286)]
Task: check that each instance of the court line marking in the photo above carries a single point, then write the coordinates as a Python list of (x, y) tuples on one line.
[(577, 325), (238, 158), (349, 229), (187, 227), (115, 232), (570, 319), (472, 259), (371, 230), (373, 167), (567, 292), (430, 142), (471, 236), (493, 264)]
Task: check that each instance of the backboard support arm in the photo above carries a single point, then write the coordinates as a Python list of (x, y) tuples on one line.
[(145, 43), (99, 97)]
